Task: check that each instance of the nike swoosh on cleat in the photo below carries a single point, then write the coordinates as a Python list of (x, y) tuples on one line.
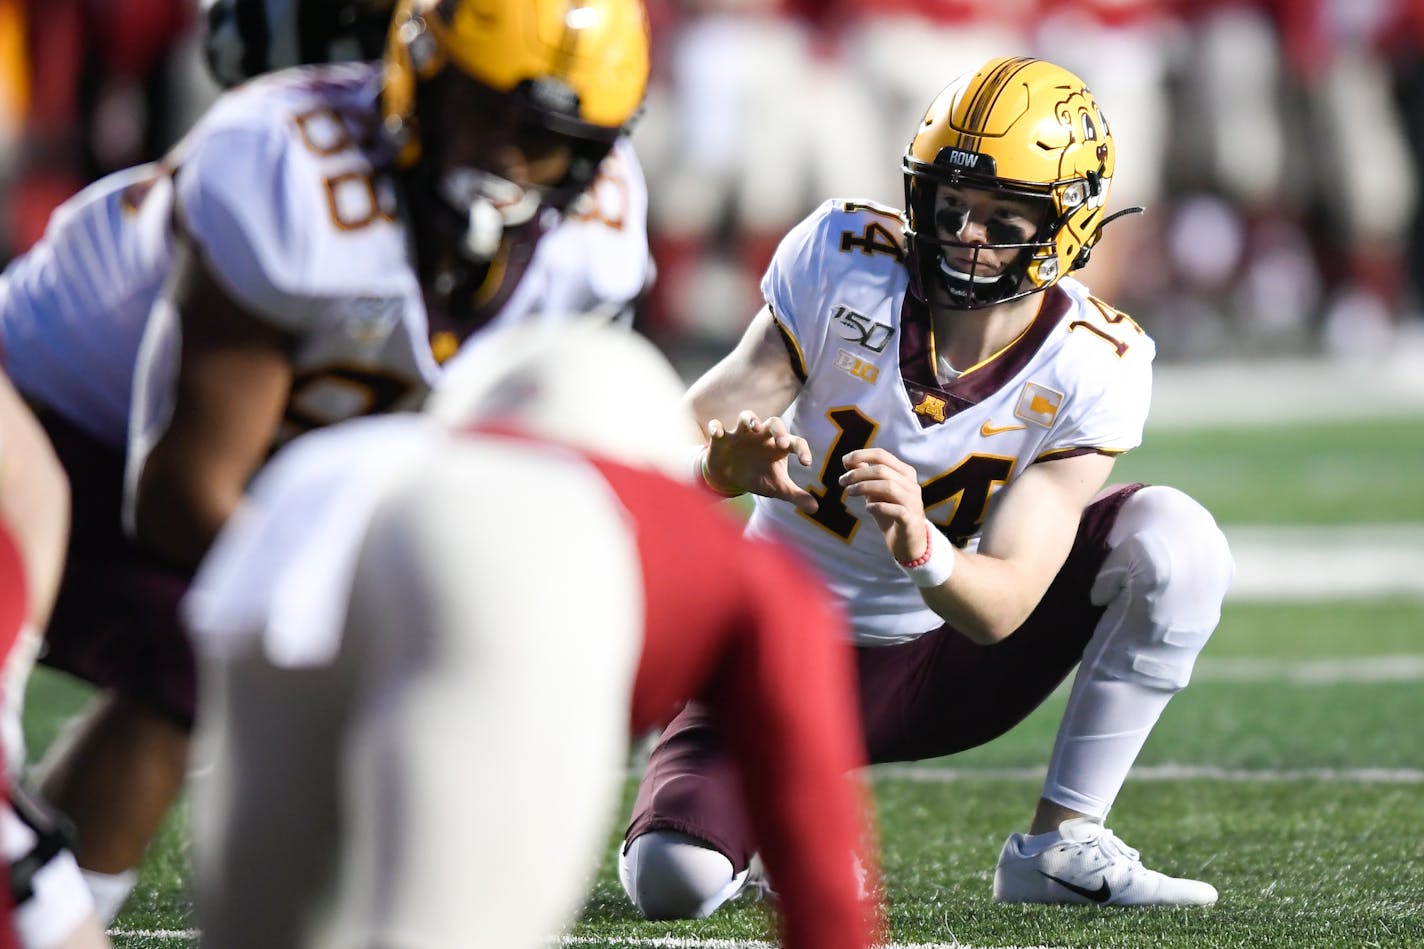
[(986, 429), (1101, 895)]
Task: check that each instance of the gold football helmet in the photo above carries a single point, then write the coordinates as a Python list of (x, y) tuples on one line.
[(568, 71), (1022, 128)]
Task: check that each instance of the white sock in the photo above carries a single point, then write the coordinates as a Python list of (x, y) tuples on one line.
[(1037, 843), (110, 891)]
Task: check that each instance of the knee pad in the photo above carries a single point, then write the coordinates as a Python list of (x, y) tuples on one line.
[(669, 875), (1163, 583)]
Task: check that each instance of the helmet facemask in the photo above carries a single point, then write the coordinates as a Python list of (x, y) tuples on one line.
[(499, 115), (470, 126), (1035, 263)]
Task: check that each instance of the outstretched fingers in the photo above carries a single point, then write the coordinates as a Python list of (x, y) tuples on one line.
[(753, 455), (786, 442)]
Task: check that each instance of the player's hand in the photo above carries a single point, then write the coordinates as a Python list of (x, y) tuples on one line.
[(753, 456), (892, 496)]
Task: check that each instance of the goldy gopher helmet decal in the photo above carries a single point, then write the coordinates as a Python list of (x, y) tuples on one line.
[(1020, 127)]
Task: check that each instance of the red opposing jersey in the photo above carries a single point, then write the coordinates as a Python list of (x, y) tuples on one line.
[(14, 605), (743, 628)]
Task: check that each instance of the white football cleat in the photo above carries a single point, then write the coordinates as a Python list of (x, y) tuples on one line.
[(1089, 865)]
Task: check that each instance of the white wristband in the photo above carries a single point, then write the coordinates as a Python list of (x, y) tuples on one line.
[(936, 565)]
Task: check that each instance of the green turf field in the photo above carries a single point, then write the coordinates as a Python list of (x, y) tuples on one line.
[(1345, 473), (1290, 775)]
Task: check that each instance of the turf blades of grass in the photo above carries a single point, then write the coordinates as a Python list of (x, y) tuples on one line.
[(1338, 473)]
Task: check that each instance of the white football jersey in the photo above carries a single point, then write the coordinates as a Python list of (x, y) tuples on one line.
[(73, 308), (1077, 380), (278, 187)]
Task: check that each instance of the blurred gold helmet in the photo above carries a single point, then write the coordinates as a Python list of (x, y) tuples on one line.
[(1023, 128), (581, 65), (468, 80)]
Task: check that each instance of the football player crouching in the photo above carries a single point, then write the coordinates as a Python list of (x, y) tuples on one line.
[(312, 250), (929, 408)]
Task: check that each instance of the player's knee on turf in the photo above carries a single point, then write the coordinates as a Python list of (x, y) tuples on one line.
[(1165, 576), (669, 875)]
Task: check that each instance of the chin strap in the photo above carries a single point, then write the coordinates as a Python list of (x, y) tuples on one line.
[(1083, 255), (1117, 214)]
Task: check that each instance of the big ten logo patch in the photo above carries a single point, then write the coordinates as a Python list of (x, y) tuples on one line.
[(852, 364), (860, 329)]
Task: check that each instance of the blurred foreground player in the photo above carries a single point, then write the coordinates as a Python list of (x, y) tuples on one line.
[(312, 250), (47, 905), (426, 639)]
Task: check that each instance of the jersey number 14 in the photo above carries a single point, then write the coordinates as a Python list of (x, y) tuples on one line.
[(965, 488)]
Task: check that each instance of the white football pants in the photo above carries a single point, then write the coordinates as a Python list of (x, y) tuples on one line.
[(450, 779)]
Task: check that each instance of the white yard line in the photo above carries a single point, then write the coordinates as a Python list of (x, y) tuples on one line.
[(1225, 394), (1321, 563), (1367, 669), (631, 942), (158, 934), (1306, 563), (928, 774), (671, 942)]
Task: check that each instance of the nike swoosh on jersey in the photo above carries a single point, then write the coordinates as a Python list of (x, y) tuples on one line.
[(986, 429), (1101, 895)]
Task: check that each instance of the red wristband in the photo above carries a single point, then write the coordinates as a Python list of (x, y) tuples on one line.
[(923, 559)]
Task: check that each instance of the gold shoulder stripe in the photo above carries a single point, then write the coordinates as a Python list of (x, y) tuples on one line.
[(793, 348)]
